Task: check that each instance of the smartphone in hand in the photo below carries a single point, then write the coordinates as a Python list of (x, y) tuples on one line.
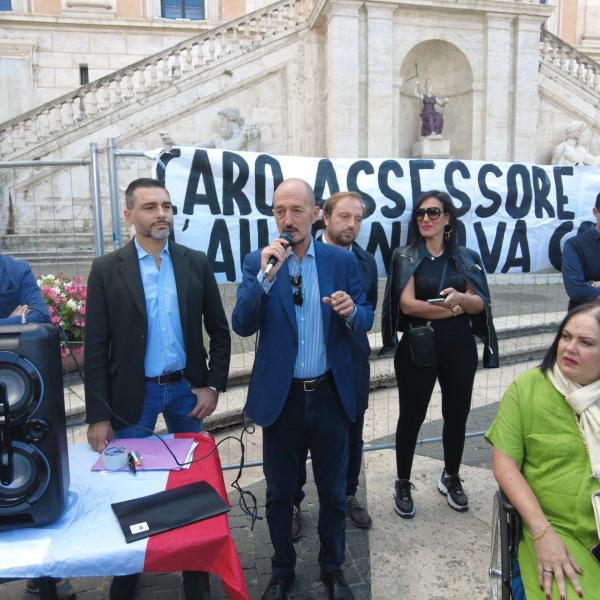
[(436, 300)]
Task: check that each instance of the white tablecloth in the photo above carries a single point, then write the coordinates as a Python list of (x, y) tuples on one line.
[(87, 540)]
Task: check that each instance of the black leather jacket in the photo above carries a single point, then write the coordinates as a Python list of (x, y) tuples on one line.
[(468, 263)]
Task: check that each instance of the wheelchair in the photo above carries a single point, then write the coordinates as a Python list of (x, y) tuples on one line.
[(506, 533)]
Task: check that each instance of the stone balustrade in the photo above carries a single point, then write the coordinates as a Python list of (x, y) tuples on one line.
[(151, 74), (554, 51)]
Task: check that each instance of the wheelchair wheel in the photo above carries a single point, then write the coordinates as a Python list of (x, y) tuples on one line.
[(500, 567)]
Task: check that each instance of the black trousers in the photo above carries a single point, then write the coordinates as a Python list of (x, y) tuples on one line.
[(455, 370), (315, 420)]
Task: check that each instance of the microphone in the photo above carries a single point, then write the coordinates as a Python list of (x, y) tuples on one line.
[(286, 237)]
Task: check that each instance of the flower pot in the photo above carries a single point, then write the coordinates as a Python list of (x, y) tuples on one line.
[(68, 362)]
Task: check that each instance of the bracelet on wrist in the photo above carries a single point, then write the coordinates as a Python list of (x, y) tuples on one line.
[(539, 533)]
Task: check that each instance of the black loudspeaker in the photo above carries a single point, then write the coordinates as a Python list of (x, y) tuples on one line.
[(34, 465)]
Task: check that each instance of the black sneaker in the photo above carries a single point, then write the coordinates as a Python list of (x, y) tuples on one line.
[(403, 502), (451, 487)]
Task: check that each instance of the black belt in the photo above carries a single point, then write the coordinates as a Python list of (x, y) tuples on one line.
[(173, 377), (312, 385)]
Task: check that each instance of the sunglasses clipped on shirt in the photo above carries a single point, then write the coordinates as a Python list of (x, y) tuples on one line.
[(434, 213), (296, 283)]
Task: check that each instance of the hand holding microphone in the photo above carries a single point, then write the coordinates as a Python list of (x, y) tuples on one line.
[(272, 257)]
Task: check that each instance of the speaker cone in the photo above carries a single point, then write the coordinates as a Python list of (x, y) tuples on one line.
[(23, 386), (31, 476)]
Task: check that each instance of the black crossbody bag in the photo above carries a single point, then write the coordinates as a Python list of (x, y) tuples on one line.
[(421, 338)]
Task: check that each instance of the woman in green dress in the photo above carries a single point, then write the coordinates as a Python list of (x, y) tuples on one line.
[(546, 459)]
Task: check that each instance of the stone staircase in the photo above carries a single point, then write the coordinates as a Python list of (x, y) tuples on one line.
[(70, 253), (41, 130), (44, 129), (570, 79), (561, 56)]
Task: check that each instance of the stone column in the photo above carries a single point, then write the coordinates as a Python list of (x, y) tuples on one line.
[(380, 79), (496, 109), (342, 79), (525, 97)]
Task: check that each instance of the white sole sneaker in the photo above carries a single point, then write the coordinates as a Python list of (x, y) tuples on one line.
[(442, 489), (405, 515)]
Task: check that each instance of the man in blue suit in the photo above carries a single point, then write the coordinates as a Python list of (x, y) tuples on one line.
[(343, 214), (302, 389), (21, 300)]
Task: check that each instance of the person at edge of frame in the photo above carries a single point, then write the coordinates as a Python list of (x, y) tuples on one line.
[(581, 263)]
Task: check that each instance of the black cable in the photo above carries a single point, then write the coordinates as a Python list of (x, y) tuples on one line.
[(250, 512)]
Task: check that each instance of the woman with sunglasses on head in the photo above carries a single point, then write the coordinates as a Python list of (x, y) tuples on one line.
[(437, 295)]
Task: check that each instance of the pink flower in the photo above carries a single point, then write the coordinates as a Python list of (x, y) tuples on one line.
[(65, 297)]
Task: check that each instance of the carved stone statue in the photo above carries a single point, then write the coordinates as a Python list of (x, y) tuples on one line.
[(432, 120), (570, 152), (233, 134)]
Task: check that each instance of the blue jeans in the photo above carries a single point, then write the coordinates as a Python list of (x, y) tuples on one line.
[(174, 401)]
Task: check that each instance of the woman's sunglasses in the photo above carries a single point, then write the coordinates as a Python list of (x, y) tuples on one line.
[(433, 213)]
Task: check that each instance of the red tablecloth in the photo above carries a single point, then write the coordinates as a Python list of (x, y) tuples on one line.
[(206, 545)]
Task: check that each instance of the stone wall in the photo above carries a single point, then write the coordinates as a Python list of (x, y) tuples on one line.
[(42, 50), (345, 86)]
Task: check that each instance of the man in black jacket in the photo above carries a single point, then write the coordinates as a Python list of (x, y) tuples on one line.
[(581, 263), (147, 306)]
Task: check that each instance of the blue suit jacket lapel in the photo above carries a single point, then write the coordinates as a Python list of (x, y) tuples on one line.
[(325, 270), (284, 292)]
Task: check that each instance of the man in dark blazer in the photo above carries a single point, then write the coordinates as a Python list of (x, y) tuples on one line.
[(147, 306), (343, 214), (581, 263), (21, 300), (302, 390)]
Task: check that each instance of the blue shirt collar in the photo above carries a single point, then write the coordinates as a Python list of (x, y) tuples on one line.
[(309, 252), (142, 253)]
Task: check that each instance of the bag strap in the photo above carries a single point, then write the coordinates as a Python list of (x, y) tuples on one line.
[(443, 277)]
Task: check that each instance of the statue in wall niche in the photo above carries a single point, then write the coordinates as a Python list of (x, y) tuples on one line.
[(233, 133), (432, 120), (570, 151)]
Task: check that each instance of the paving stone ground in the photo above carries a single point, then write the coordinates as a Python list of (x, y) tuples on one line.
[(255, 550)]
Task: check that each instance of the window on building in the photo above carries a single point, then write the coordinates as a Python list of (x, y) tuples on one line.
[(84, 75), (5, 5), (183, 9)]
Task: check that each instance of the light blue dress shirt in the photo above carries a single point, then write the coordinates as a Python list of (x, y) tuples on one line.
[(165, 351), (311, 358)]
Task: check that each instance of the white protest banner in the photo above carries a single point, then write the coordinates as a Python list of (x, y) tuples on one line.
[(517, 216)]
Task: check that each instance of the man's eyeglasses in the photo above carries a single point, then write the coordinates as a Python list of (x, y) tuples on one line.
[(296, 283), (433, 213)]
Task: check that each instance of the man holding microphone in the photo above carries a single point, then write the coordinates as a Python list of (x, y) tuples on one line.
[(302, 391)]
